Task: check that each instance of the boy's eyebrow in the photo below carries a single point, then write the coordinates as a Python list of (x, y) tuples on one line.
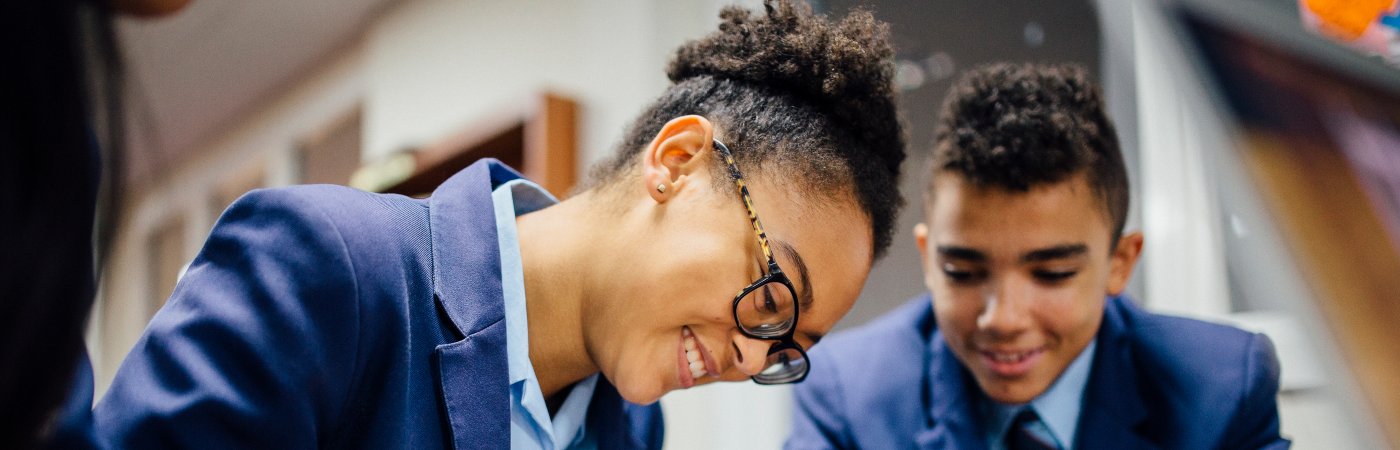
[(1057, 252), (1039, 255), (964, 253)]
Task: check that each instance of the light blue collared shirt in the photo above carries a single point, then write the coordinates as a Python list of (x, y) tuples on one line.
[(1058, 407), (530, 424)]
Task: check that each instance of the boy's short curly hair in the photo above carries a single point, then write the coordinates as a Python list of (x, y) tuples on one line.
[(1014, 126), (793, 95)]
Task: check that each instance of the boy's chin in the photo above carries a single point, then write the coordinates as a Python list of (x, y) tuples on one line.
[(1013, 393)]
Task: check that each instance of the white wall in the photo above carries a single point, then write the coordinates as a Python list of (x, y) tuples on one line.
[(436, 65), (1183, 261)]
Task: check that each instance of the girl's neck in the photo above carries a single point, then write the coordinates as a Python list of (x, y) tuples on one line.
[(561, 250)]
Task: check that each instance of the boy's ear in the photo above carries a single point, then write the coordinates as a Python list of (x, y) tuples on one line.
[(921, 240), (671, 157), (1122, 262)]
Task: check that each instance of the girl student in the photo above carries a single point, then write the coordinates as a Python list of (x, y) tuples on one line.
[(734, 226)]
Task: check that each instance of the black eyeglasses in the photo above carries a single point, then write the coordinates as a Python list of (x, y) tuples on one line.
[(767, 308)]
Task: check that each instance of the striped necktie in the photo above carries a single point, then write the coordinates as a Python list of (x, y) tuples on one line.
[(1021, 435)]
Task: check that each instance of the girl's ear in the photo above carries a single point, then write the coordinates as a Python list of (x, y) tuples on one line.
[(671, 157)]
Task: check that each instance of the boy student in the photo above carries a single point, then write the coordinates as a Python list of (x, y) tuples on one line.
[(1026, 341)]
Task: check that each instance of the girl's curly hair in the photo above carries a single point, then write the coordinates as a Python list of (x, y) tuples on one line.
[(794, 95)]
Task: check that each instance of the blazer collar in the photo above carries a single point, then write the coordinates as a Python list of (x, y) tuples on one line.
[(1116, 414), (466, 255), (473, 371), (951, 422)]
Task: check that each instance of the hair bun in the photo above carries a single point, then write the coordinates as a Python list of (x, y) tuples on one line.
[(845, 68)]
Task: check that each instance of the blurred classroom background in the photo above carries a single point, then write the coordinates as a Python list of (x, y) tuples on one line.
[(1265, 159)]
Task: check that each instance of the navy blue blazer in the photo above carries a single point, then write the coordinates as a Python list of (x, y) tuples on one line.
[(1156, 382), (322, 316)]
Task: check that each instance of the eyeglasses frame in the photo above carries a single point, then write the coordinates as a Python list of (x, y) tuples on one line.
[(775, 275)]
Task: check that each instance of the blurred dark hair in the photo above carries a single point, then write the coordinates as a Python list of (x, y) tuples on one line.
[(1014, 126), (795, 96), (58, 105)]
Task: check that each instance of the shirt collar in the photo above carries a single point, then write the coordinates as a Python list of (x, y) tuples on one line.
[(510, 200), (1058, 407)]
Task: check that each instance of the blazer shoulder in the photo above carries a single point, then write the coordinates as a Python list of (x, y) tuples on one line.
[(1225, 372), (863, 387), (1191, 349), (336, 204), (214, 361), (384, 240), (368, 225), (894, 334)]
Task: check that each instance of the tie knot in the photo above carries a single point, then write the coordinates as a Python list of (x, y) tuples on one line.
[(1026, 417), (1025, 435)]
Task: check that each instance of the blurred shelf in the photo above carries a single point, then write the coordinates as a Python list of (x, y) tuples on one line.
[(538, 137)]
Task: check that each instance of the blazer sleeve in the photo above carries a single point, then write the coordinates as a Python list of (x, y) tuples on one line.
[(256, 347), (818, 417), (1256, 422), (73, 429)]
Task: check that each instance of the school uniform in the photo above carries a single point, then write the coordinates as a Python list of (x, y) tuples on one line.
[(1148, 381), (322, 316)]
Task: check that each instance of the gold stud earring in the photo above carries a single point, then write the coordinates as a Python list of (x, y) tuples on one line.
[(661, 187)]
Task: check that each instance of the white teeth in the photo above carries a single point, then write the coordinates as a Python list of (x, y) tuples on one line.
[(697, 363), (697, 369), (1010, 357)]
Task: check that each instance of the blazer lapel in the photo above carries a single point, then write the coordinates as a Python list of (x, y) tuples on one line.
[(1114, 413), (467, 284), (475, 392), (952, 420)]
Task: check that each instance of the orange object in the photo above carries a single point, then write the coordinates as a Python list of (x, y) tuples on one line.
[(1348, 19)]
